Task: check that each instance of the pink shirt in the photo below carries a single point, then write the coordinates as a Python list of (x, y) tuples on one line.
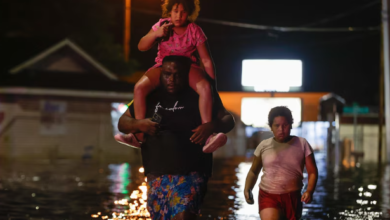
[(283, 164), (181, 45)]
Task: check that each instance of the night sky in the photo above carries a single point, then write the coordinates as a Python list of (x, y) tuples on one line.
[(347, 64)]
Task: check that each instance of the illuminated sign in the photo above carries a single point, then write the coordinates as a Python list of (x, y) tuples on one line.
[(271, 75), (254, 111)]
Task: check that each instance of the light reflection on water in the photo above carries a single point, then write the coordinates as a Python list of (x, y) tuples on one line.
[(245, 209), (349, 194), (85, 191)]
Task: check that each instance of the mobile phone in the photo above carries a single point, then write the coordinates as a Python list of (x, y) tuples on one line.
[(156, 118), (164, 22)]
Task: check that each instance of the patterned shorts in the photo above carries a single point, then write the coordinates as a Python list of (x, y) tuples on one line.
[(169, 195)]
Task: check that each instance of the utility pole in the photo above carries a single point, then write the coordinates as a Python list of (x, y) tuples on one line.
[(381, 107), (126, 41), (386, 62)]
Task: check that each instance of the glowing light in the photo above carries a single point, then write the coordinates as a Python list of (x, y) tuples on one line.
[(35, 178), (255, 110), (367, 194), (137, 205), (360, 189), (362, 202), (37, 207), (33, 195), (139, 209), (244, 208), (94, 216), (141, 170), (371, 186), (134, 195), (271, 75), (122, 107), (122, 202), (357, 165), (120, 175)]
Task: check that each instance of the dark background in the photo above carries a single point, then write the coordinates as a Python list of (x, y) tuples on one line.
[(347, 64)]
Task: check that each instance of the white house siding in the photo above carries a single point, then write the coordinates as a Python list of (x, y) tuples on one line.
[(88, 133), (9, 111), (367, 140)]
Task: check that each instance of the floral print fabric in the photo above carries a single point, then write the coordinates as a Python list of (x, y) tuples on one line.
[(169, 195)]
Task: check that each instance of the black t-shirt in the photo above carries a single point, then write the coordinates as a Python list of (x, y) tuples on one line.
[(171, 151)]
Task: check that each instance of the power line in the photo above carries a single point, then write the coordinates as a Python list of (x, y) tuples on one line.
[(289, 29), (342, 15), (273, 28), (340, 40)]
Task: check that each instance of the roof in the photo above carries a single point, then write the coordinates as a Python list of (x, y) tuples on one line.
[(64, 66), (55, 48)]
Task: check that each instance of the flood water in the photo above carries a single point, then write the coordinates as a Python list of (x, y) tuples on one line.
[(89, 190)]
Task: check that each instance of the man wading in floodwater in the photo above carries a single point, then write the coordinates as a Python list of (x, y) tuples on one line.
[(176, 166)]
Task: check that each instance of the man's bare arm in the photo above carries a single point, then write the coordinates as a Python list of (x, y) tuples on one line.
[(128, 124), (223, 123)]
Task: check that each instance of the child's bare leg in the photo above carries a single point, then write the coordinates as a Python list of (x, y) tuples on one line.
[(143, 87), (201, 85)]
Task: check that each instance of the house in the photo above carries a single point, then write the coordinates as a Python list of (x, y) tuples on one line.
[(58, 105)]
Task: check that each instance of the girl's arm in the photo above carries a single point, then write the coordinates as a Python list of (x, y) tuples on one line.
[(205, 57), (312, 171), (251, 178), (147, 41), (150, 38)]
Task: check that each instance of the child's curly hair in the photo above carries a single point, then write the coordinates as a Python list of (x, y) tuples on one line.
[(280, 111), (191, 6)]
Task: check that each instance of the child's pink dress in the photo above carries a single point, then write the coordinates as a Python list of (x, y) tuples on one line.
[(181, 45)]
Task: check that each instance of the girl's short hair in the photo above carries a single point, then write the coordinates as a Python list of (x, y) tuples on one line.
[(280, 111), (191, 6)]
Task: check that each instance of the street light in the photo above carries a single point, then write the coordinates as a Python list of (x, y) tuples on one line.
[(126, 43)]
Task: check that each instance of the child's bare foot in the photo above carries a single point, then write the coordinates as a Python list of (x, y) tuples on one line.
[(128, 140), (139, 137), (214, 142)]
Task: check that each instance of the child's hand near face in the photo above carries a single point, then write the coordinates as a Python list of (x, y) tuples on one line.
[(162, 31)]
